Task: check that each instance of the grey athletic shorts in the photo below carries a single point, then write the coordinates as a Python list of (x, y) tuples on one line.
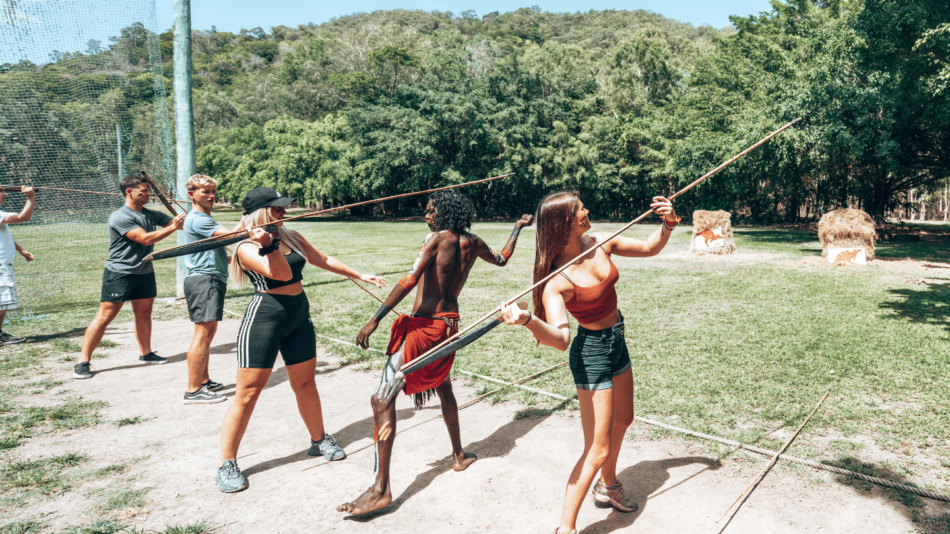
[(205, 296)]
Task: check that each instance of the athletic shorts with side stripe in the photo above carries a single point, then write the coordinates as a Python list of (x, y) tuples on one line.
[(272, 324)]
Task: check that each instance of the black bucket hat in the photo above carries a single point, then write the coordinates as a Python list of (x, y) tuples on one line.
[(262, 197)]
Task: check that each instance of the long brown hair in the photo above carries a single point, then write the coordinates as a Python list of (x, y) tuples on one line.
[(555, 219)]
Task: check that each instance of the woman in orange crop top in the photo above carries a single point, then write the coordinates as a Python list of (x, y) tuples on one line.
[(599, 359)]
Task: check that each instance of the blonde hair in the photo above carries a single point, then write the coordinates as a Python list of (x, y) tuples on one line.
[(259, 218), (200, 180)]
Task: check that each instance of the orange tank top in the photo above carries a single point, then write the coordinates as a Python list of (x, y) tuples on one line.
[(591, 304)]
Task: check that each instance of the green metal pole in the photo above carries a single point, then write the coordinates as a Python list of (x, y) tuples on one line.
[(184, 115)]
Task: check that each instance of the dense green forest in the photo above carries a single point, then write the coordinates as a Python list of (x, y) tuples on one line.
[(620, 105)]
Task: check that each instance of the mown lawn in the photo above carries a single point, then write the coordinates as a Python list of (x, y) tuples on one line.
[(730, 346)]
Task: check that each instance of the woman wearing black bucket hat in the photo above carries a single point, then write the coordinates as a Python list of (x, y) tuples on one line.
[(276, 320)]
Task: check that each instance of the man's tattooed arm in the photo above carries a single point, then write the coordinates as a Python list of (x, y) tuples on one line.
[(500, 258)]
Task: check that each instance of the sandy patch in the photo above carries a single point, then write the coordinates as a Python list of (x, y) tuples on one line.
[(516, 486)]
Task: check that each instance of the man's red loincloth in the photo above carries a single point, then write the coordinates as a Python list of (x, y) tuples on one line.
[(417, 335)]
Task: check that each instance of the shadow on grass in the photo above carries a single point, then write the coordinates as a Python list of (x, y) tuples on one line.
[(929, 248), (73, 333), (775, 235), (915, 505), (930, 305)]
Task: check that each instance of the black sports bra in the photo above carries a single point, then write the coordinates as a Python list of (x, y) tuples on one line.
[(263, 283)]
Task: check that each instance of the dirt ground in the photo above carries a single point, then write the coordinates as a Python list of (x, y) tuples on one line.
[(516, 486)]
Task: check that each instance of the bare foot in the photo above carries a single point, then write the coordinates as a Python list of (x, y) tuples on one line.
[(367, 502), (463, 463)]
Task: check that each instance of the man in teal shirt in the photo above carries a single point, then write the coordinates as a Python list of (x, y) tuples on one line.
[(205, 286)]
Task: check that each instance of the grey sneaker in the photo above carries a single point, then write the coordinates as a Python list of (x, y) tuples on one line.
[(613, 495), (7, 339), (81, 370), (327, 448), (229, 477), (203, 396), (212, 385), (152, 358)]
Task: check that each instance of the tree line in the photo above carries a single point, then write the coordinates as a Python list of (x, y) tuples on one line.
[(620, 105)]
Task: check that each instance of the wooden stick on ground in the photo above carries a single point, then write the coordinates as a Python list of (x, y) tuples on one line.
[(601, 244), (774, 459)]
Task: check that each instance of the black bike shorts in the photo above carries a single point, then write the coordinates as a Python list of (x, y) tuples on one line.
[(272, 324), (118, 287)]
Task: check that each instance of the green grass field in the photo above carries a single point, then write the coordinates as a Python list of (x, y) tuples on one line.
[(730, 346)]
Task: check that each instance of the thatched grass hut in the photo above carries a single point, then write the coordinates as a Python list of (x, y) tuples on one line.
[(712, 233), (846, 228)]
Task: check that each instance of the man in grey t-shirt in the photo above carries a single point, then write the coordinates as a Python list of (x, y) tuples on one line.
[(133, 232)]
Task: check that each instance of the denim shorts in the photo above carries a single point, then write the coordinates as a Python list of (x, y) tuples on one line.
[(597, 356)]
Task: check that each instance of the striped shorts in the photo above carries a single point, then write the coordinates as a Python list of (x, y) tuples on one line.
[(272, 324), (8, 297)]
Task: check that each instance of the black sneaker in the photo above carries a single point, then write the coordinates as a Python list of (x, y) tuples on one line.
[(7, 339), (81, 370), (152, 358), (212, 385), (203, 396)]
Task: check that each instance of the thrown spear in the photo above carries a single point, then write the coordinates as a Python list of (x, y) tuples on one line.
[(234, 237), (427, 358)]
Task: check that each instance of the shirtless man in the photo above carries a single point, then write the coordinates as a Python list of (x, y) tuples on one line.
[(442, 267)]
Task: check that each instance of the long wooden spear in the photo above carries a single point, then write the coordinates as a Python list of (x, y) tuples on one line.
[(598, 245), (774, 459), (162, 194), (234, 237)]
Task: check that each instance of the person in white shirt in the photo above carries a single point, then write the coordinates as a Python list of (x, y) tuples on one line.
[(8, 250)]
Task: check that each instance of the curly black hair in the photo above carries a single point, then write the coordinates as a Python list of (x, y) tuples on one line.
[(454, 211)]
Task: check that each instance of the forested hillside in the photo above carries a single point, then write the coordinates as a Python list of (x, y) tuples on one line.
[(620, 105)]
